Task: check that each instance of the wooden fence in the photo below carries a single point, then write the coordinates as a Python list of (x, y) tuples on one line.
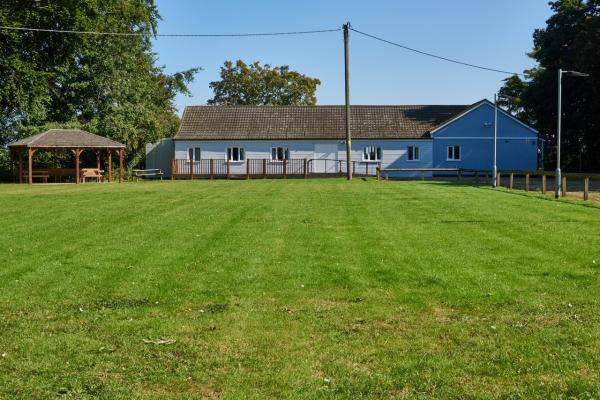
[(507, 177)]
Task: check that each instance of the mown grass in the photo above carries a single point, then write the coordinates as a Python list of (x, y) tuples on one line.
[(297, 289)]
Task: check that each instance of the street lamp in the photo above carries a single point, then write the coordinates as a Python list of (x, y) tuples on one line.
[(558, 178)]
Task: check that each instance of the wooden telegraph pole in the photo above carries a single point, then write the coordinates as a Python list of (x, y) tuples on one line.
[(347, 87)]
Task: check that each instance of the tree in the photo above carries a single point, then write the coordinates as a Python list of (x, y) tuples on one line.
[(109, 85), (571, 41), (254, 84)]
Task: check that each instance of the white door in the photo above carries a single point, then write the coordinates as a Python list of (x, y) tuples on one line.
[(325, 159)]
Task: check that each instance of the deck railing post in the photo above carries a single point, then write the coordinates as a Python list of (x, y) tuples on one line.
[(264, 165), (459, 173), (527, 182), (543, 183), (228, 170), (305, 168), (498, 179), (586, 188), (284, 168), (564, 186), (172, 170), (378, 172), (192, 169), (247, 169), (511, 181), (211, 168)]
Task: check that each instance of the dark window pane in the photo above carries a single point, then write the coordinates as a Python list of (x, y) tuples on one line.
[(417, 156), (190, 154), (280, 153), (197, 153), (242, 154), (457, 152), (378, 154), (410, 153), (274, 153), (287, 154)]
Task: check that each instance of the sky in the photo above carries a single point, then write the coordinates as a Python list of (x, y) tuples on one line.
[(492, 33)]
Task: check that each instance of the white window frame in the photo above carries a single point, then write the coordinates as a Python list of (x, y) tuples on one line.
[(453, 148), (194, 151), (285, 152), (418, 153), (229, 152), (378, 151)]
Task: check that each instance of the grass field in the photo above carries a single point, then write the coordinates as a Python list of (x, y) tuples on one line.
[(296, 289)]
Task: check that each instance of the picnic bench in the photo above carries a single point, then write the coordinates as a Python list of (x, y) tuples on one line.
[(91, 173), (37, 174), (147, 173)]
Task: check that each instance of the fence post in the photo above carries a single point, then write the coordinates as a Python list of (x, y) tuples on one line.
[(192, 169), (511, 181), (173, 163), (284, 168), (228, 170), (212, 168), (305, 168), (264, 168), (543, 183), (527, 182), (498, 178), (564, 186), (378, 172), (247, 169), (353, 167), (586, 188), (459, 174)]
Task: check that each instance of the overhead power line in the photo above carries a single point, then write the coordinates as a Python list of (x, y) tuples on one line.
[(74, 32), (434, 55)]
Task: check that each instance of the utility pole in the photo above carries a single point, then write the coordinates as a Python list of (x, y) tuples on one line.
[(495, 166), (347, 87)]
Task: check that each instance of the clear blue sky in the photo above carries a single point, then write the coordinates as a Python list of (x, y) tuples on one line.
[(494, 33)]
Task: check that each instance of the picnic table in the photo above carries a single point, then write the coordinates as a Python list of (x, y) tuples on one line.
[(148, 173)]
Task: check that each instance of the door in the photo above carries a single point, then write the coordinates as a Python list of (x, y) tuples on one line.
[(325, 158)]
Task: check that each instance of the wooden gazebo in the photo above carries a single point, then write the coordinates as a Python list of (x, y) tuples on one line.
[(75, 140)]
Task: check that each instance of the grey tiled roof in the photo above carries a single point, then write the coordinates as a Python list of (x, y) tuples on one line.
[(70, 138), (312, 122)]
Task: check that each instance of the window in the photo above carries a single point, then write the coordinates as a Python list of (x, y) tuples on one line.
[(236, 154), (414, 153), (280, 153), (194, 154), (453, 153), (371, 153)]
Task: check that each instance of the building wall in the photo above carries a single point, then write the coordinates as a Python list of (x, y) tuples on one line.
[(159, 155), (394, 152), (517, 145)]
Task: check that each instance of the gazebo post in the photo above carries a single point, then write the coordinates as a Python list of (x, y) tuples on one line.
[(121, 171), (109, 165), (77, 154), (20, 167), (30, 153), (97, 158)]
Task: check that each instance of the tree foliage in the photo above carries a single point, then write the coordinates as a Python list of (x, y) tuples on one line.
[(571, 41), (108, 85), (255, 84)]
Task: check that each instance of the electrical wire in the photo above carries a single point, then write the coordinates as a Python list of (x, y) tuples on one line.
[(434, 55), (18, 28)]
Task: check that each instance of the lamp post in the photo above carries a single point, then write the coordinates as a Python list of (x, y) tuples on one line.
[(558, 178)]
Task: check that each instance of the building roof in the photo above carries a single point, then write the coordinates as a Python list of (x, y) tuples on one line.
[(67, 138), (313, 122)]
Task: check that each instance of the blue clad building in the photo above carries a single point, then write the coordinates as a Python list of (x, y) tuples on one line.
[(404, 136)]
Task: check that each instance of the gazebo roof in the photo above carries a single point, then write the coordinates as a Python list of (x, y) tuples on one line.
[(66, 138)]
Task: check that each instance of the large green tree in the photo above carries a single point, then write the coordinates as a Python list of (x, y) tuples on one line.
[(571, 41), (109, 85), (256, 84)]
